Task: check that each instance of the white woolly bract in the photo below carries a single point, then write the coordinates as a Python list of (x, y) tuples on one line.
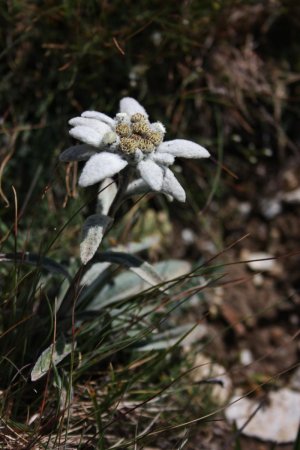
[(99, 116), (86, 135), (163, 158), (101, 166), (137, 187), (122, 118), (172, 186), (99, 131), (151, 173), (158, 126), (95, 124), (183, 148), (130, 106)]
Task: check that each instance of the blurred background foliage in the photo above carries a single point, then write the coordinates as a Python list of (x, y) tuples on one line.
[(205, 68)]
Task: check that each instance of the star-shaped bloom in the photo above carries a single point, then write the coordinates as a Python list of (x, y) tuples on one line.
[(130, 139)]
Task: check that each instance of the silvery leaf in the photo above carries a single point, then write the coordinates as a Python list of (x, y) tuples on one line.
[(124, 285), (93, 231), (94, 280), (141, 268), (172, 268), (93, 273), (183, 335), (53, 355), (80, 152), (136, 247), (128, 284), (34, 259)]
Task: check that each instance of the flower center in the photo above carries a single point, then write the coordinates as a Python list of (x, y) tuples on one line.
[(137, 133)]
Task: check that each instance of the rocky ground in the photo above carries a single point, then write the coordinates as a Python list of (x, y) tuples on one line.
[(254, 316)]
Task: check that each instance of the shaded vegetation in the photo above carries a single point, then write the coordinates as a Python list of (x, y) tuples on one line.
[(187, 62)]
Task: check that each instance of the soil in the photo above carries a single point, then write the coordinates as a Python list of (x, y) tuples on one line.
[(254, 313)]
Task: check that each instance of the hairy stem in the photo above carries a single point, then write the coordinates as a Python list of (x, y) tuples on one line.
[(74, 288), (124, 179)]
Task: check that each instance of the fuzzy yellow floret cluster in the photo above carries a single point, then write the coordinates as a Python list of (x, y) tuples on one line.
[(137, 134)]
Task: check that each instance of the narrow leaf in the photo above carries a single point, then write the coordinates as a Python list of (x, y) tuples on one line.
[(93, 231), (80, 152), (136, 247), (53, 355), (141, 268), (183, 335), (36, 260), (128, 284), (124, 285), (93, 273)]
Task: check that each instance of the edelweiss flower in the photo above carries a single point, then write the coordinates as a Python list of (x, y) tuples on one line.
[(109, 145)]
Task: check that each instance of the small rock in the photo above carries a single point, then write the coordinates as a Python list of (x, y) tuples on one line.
[(294, 319), (218, 295), (278, 421), (290, 179), (244, 208), (207, 370), (156, 37), (188, 236), (295, 380), (270, 207), (260, 262), (258, 280), (291, 196), (246, 357)]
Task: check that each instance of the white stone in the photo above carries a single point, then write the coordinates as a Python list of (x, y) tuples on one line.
[(260, 262), (277, 421), (258, 280), (207, 370), (270, 207), (188, 236), (244, 208), (291, 196), (295, 380), (246, 357)]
